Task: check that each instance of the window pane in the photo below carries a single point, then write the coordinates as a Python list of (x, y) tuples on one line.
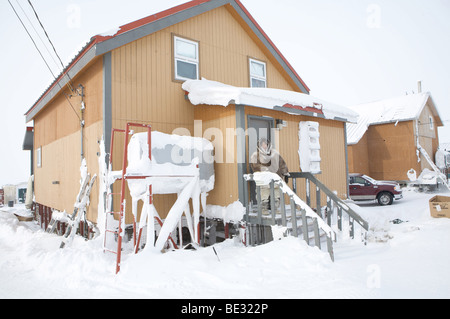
[(186, 49), (258, 83), (186, 70), (257, 69)]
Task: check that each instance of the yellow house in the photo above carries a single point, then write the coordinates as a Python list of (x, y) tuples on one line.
[(136, 75)]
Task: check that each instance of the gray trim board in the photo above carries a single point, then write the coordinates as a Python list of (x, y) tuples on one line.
[(346, 159), (152, 27), (107, 100), (74, 70), (272, 50), (241, 156), (157, 25)]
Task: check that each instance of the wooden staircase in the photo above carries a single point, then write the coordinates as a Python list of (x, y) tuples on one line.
[(318, 227)]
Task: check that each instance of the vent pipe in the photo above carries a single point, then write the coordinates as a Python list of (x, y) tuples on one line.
[(419, 87)]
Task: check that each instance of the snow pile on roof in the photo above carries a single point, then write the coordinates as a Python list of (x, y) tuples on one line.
[(393, 110), (217, 93), (110, 33)]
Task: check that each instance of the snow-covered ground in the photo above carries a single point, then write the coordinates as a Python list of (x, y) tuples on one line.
[(406, 260)]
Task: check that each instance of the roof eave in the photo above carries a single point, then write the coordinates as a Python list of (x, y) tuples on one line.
[(100, 45)]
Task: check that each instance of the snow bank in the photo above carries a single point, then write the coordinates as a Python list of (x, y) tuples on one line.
[(216, 93), (412, 263)]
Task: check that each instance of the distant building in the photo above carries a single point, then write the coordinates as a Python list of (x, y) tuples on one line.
[(383, 144)]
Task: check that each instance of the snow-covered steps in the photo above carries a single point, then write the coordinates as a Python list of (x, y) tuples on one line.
[(296, 217)]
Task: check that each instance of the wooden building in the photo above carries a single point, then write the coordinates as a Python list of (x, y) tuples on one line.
[(136, 75), (383, 144)]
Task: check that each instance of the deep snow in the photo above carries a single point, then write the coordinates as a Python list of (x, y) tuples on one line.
[(406, 260)]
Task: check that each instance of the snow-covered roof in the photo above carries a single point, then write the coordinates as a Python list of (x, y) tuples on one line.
[(404, 108), (217, 93)]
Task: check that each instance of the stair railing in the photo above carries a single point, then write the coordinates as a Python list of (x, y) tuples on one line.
[(301, 210), (298, 210), (334, 203)]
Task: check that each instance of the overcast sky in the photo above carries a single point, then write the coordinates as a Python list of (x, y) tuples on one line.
[(347, 51)]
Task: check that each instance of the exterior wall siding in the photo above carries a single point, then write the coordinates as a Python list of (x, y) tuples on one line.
[(388, 151), (143, 88), (332, 142), (57, 133)]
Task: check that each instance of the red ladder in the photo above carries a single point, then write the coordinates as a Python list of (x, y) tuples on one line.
[(121, 213)]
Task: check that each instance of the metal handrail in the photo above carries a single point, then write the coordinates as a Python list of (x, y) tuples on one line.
[(306, 212), (331, 195)]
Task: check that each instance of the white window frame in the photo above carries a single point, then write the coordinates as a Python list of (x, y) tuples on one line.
[(431, 122), (39, 157), (255, 76), (178, 57)]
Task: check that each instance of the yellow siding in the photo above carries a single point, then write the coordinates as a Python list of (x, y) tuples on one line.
[(332, 142), (57, 132), (143, 89), (225, 190)]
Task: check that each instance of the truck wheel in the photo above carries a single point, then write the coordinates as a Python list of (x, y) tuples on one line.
[(385, 198)]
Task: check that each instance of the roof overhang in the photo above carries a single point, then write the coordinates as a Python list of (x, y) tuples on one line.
[(207, 92), (28, 139), (101, 44)]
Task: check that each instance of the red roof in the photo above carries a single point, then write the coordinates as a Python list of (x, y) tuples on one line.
[(152, 18)]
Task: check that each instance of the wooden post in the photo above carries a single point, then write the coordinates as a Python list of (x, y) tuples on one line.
[(352, 227), (318, 204), (339, 218), (330, 247), (308, 192), (305, 226), (258, 203), (316, 232), (283, 210), (293, 217), (272, 200), (329, 211)]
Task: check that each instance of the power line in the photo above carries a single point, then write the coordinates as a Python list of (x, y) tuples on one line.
[(37, 33), (48, 38), (32, 39), (40, 53)]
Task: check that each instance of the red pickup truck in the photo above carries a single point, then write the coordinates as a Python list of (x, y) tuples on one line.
[(363, 187)]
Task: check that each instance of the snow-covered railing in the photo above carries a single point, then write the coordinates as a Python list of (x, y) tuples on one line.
[(288, 217), (334, 203)]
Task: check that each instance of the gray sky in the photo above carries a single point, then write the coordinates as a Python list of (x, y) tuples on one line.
[(347, 51)]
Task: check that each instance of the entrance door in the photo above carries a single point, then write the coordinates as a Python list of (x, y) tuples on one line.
[(258, 127)]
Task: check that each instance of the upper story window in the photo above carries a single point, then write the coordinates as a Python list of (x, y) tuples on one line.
[(431, 123), (186, 59), (258, 75)]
